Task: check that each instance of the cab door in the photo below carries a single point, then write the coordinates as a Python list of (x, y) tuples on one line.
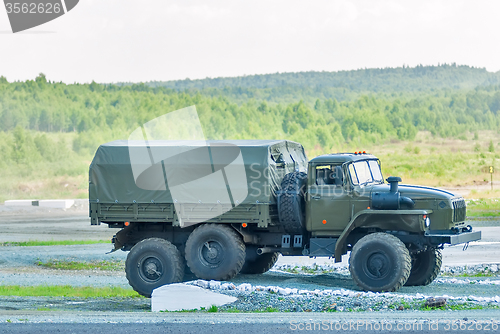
[(328, 201)]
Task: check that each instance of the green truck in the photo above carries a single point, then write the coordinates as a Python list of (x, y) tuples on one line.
[(216, 209)]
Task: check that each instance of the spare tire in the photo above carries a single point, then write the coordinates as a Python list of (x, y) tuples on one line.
[(291, 203)]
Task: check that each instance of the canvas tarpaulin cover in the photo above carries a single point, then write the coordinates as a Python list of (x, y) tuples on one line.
[(243, 171)]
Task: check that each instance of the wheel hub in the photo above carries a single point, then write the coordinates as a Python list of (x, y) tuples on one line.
[(151, 269), (377, 265), (212, 252)]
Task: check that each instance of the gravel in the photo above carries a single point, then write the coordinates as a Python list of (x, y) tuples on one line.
[(281, 298), (12, 303)]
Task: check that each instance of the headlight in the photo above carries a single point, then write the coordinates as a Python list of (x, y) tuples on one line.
[(427, 222)]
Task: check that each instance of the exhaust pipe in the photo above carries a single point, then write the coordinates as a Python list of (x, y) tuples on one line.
[(264, 250)]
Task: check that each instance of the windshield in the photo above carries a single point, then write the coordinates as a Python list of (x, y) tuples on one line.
[(364, 172)]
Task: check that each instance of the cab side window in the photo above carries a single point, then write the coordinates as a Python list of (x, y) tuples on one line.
[(321, 175), (329, 175)]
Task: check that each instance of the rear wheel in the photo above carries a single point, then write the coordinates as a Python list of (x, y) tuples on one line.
[(152, 263), (380, 262), (425, 267), (215, 252), (260, 264)]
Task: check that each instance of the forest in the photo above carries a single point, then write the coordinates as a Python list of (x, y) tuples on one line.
[(53, 128)]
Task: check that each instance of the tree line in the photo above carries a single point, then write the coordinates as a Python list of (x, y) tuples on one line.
[(96, 113)]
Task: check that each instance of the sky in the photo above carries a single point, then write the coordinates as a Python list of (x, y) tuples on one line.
[(158, 40)]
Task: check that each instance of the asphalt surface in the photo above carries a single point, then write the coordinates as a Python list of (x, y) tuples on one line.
[(318, 327), (383, 322), (37, 223)]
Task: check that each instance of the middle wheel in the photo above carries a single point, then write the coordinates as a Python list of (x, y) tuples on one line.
[(215, 252)]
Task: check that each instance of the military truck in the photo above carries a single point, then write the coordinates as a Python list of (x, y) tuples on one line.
[(325, 207)]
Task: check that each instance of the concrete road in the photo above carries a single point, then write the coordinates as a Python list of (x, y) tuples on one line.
[(365, 322), (232, 328), (36, 223)]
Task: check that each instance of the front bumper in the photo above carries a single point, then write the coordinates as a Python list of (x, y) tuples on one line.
[(445, 237)]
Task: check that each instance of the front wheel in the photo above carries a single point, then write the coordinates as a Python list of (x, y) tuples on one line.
[(380, 262), (152, 263), (425, 267)]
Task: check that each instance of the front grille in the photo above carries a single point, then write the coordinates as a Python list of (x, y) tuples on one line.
[(459, 210)]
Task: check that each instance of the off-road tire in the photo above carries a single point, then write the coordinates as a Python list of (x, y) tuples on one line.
[(425, 267), (260, 265), (224, 257), (380, 262), (152, 263), (291, 202), (188, 274)]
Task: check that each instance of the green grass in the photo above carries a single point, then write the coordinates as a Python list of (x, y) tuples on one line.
[(427, 160), (458, 307), (66, 291), (441, 162), (478, 274), (77, 265), (231, 310), (486, 207), (53, 243)]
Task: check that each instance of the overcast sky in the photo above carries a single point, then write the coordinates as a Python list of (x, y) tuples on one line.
[(143, 40)]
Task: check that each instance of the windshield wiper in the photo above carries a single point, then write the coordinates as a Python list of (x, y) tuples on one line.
[(365, 183)]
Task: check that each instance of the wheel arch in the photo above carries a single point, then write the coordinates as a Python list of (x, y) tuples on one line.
[(383, 220)]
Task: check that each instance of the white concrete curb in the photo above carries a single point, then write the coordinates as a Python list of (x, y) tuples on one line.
[(19, 202), (178, 297), (48, 203), (57, 203)]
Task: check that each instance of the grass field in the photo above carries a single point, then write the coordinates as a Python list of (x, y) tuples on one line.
[(486, 207), (113, 265), (53, 242), (444, 162), (461, 163), (66, 291)]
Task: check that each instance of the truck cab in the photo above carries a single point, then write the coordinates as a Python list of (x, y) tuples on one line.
[(349, 207), (338, 186)]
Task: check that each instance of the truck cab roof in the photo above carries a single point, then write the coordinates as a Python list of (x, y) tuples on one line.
[(337, 158)]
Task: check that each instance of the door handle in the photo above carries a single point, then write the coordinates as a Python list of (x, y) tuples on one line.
[(315, 197)]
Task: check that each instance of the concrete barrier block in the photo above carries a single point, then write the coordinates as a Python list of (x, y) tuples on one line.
[(19, 202), (56, 203), (178, 297)]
